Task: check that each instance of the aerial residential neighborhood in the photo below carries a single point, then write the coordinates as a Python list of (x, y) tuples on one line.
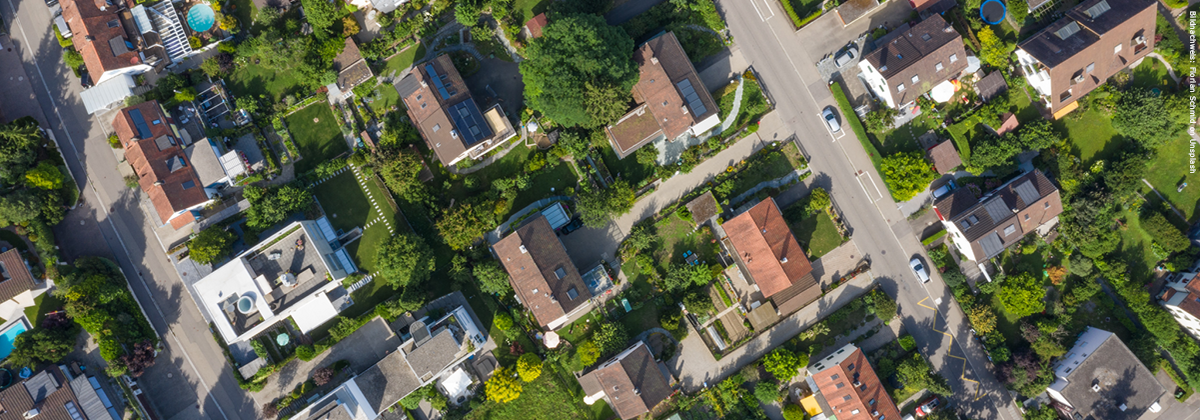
[(598, 210)]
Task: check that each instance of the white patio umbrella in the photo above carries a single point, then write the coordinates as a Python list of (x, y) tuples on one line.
[(942, 92), (551, 339)]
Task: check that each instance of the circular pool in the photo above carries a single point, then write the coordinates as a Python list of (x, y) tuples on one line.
[(201, 17)]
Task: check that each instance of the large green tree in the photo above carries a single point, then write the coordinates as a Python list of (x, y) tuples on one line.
[(580, 71), (994, 51), (322, 14), (907, 174), (1149, 118), (991, 151), (210, 245), (271, 206), (18, 148), (42, 345), (1022, 295), (597, 207), (492, 278), (683, 276), (404, 260), (400, 171), (1038, 135), (19, 207), (782, 363), (463, 224)]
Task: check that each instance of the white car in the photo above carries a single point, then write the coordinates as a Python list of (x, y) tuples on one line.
[(922, 272), (831, 119)]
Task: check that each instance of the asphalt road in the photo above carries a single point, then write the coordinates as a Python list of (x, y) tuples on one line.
[(190, 379), (841, 165)]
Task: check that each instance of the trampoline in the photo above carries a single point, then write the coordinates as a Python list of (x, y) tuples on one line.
[(201, 17), (993, 11)]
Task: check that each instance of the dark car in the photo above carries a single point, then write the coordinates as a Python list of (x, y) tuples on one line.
[(85, 79), (928, 406), (574, 225)]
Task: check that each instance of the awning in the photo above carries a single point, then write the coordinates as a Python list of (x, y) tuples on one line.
[(457, 384), (556, 214), (314, 313), (943, 91), (810, 405), (106, 93)]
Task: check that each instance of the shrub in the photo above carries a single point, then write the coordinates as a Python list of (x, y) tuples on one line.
[(323, 375), (793, 412), (908, 343), (502, 387), (587, 352), (932, 238), (767, 392), (269, 410), (503, 321), (781, 363), (529, 367), (305, 352)]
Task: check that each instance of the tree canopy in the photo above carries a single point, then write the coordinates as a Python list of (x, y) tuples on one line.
[(18, 148), (271, 206), (580, 71), (322, 14), (782, 364), (993, 50), (400, 171), (1022, 295), (492, 278), (683, 276), (503, 387), (463, 224), (210, 245), (1149, 118), (597, 207), (405, 260), (529, 367), (907, 174)]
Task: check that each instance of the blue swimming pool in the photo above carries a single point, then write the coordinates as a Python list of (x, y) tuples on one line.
[(201, 17), (8, 337)]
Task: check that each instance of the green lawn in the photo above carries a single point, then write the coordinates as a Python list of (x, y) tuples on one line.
[(1092, 136), (754, 104), (1168, 170), (404, 59), (244, 10), (255, 80), (817, 234), (318, 140), (628, 169), (549, 396), (388, 98), (641, 319), (1153, 74), (904, 138), (43, 304), (349, 206), (761, 170), (527, 9)]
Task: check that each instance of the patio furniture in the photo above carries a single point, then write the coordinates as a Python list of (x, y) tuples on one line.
[(274, 255), (691, 257)]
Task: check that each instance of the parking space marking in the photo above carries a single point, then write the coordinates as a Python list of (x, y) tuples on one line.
[(766, 4), (947, 333)]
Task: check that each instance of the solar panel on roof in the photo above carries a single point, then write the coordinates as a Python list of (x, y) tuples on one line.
[(469, 122), (991, 244), (437, 81), (693, 99), (1099, 9), (997, 209), (1027, 192), (1068, 30), (139, 122)]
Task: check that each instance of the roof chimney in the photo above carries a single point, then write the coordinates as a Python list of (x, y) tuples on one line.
[(523, 250), (654, 60), (784, 260), (32, 413), (1096, 388)]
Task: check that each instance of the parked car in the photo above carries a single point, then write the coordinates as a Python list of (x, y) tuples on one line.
[(831, 119), (51, 3), (574, 225), (945, 189), (85, 79), (928, 406), (922, 272), (844, 56)]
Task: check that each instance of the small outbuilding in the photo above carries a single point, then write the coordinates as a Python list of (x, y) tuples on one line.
[(944, 157), (991, 86)]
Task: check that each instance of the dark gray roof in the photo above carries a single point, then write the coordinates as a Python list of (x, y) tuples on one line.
[(1122, 379), (990, 86), (433, 355), (1027, 192), (419, 331), (387, 382), (1052, 49), (997, 208), (408, 85), (89, 401), (41, 385)]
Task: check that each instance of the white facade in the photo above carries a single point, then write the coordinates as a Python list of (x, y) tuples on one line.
[(877, 83), (1178, 282), (1035, 74)]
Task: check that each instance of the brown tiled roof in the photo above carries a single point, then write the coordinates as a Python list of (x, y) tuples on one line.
[(703, 207), (632, 383), (17, 400), (945, 158), (534, 259), (1093, 45), (990, 86), (159, 160), (536, 24), (1189, 303), (798, 295), (429, 111), (15, 277), (1022, 204), (94, 33), (1008, 125), (663, 65), (849, 397), (916, 53), (763, 242), (350, 66)]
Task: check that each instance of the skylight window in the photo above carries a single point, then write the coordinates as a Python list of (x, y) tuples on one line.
[(1097, 10), (1066, 31)]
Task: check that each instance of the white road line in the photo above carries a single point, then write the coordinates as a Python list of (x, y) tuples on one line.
[(877, 209), (760, 15), (63, 127)]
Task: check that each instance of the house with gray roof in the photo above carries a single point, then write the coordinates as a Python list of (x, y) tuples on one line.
[(910, 62), (983, 226), (1100, 378), (437, 340)]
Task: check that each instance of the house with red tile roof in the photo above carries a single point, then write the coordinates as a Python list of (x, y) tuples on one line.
[(535, 25), (156, 151), (1181, 297), (672, 101), (770, 258), (632, 382), (106, 37), (850, 387)]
